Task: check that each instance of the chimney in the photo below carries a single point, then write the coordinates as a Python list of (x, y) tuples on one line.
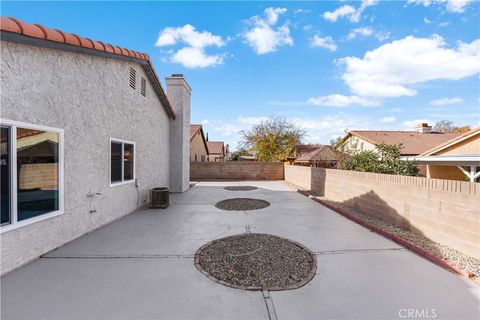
[(179, 93), (423, 128)]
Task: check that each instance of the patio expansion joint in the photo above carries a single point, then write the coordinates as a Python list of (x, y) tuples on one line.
[(272, 314), (345, 251), (154, 256)]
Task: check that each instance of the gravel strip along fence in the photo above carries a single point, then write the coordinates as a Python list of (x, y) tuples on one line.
[(240, 188), (241, 204), (455, 257), (257, 262)]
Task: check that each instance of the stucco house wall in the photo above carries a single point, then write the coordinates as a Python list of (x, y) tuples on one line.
[(90, 98), (353, 143), (466, 147)]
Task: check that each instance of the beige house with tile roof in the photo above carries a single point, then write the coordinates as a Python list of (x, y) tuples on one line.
[(317, 155), (455, 159), (413, 142), (198, 144), (216, 151)]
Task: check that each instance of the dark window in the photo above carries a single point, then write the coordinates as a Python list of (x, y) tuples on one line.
[(143, 87), (128, 161), (116, 162), (133, 78), (6, 175), (203, 158), (37, 172), (122, 167)]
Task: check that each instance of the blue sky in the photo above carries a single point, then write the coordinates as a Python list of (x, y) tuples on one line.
[(329, 66)]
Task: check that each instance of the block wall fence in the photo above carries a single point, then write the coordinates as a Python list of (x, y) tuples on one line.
[(445, 211), (236, 170)]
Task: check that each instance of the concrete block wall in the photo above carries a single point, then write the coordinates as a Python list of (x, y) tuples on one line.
[(445, 211), (236, 170)]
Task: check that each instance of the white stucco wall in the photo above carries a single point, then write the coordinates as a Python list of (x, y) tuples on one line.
[(356, 144), (90, 98)]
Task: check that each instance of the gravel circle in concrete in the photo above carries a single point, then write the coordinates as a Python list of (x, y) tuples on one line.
[(240, 188), (257, 262), (240, 204)]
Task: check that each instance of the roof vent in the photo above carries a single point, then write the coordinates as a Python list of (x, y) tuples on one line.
[(177, 75), (143, 87), (133, 78)]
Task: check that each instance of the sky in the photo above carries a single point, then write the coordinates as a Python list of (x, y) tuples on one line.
[(328, 66)]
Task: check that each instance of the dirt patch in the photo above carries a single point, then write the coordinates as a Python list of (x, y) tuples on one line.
[(240, 204), (257, 262), (240, 188)]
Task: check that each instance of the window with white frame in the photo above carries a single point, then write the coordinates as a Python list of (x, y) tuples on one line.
[(31, 172), (122, 161)]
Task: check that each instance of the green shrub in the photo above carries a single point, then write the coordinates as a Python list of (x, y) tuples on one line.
[(386, 159)]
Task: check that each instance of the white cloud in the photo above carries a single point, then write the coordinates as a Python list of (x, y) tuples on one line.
[(193, 55), (349, 12), (263, 37), (363, 31), (250, 121), (391, 69), (426, 20), (327, 43), (446, 101), (345, 10), (341, 101), (456, 6), (367, 32), (387, 119), (300, 11)]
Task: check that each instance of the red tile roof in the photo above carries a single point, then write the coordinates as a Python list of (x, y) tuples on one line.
[(304, 148), (9, 24), (413, 143), (215, 147), (321, 153)]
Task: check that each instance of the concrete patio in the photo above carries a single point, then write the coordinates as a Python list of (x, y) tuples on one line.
[(141, 266)]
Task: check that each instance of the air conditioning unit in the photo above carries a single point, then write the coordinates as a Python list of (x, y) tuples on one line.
[(159, 198)]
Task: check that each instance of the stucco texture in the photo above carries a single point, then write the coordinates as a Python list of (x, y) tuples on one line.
[(90, 98)]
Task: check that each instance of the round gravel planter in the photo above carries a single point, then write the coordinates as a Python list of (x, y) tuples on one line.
[(240, 204), (240, 188), (257, 262)]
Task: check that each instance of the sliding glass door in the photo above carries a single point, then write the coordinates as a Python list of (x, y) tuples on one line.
[(5, 150), (32, 172)]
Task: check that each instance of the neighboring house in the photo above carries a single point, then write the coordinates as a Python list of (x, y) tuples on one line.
[(301, 149), (320, 156), (413, 142), (247, 158), (216, 151), (86, 131), (198, 144), (456, 159)]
